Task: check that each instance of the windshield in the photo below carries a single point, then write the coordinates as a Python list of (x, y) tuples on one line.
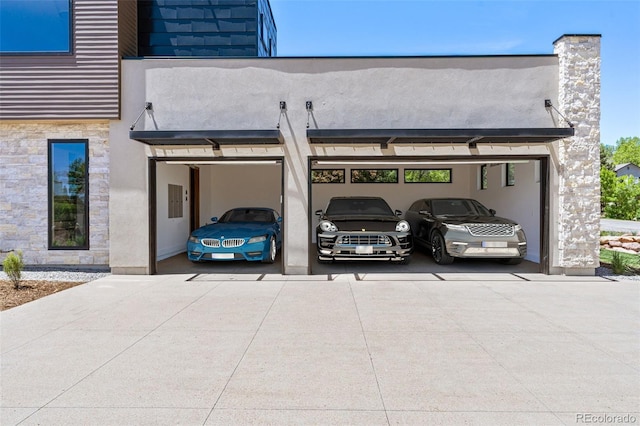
[(247, 215), (458, 207), (358, 206)]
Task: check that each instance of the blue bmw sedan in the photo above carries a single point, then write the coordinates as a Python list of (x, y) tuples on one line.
[(246, 233)]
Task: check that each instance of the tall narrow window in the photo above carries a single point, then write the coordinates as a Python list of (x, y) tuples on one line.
[(68, 194), (510, 174), (483, 177)]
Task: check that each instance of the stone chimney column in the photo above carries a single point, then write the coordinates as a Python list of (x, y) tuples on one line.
[(579, 156)]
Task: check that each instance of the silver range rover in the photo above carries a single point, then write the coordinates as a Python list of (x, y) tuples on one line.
[(463, 227), (358, 228)]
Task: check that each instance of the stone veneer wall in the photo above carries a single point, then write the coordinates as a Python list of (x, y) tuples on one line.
[(24, 190), (579, 156)]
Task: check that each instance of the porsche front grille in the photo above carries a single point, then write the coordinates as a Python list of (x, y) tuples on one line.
[(364, 240), (490, 229)]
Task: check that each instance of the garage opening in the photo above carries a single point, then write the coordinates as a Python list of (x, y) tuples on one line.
[(190, 193), (515, 187)]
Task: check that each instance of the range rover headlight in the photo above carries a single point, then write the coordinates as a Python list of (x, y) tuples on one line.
[(456, 227), (194, 239), (402, 226), (327, 226), (517, 228)]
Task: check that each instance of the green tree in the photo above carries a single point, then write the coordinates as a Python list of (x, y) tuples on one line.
[(606, 156), (627, 151), (620, 196)]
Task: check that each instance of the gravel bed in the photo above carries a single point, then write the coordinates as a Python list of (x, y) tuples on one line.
[(603, 271), (56, 274)]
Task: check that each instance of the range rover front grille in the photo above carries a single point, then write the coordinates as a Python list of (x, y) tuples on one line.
[(490, 229)]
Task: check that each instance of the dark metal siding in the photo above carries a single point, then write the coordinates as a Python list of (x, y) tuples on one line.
[(128, 27), (82, 85), (197, 28)]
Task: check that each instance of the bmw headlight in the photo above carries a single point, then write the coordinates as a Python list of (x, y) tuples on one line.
[(194, 239), (327, 226), (456, 227), (257, 239), (402, 226)]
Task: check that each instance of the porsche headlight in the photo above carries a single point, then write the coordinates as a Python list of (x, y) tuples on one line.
[(327, 226), (257, 239), (402, 226), (194, 239), (456, 227)]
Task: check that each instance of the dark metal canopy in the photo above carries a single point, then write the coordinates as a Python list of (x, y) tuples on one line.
[(416, 136), (214, 138)]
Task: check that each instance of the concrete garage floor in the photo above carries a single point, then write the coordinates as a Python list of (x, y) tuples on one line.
[(287, 350), (420, 263)]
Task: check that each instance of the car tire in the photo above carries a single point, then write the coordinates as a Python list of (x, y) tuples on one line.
[(439, 250), (271, 256)]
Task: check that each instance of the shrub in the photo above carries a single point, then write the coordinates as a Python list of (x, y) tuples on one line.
[(619, 264), (12, 266)]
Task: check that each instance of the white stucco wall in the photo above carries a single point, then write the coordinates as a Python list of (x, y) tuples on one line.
[(520, 202), (376, 93), (172, 233), (232, 185)]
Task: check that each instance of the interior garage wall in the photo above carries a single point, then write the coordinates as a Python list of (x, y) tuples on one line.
[(227, 185), (172, 233), (399, 195), (520, 202)]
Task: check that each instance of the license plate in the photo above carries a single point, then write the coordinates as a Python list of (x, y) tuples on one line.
[(496, 244), (364, 249), (222, 255)]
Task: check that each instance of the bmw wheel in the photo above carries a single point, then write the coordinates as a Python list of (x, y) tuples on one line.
[(439, 250), (271, 256)]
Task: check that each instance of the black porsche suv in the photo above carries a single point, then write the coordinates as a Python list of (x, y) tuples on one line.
[(357, 228)]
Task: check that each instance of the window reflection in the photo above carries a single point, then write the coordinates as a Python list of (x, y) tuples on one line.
[(68, 195), (35, 26)]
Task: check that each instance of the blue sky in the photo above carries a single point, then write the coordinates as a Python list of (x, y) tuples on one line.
[(455, 27)]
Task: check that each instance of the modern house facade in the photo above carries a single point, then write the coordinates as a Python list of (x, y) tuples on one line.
[(520, 133)]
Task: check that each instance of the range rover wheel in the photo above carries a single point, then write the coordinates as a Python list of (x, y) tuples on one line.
[(439, 250)]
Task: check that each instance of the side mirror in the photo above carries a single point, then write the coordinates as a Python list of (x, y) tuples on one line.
[(318, 212), (398, 213), (214, 219), (492, 211)]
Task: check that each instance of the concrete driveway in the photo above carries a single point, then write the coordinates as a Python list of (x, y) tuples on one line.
[(371, 349)]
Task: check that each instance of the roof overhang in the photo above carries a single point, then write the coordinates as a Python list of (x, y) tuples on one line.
[(214, 138), (448, 136)]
